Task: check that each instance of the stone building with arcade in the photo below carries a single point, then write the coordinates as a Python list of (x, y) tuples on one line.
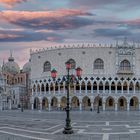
[(110, 77)]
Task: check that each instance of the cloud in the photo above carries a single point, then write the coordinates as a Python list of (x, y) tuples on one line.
[(107, 32), (10, 3), (52, 20), (27, 36)]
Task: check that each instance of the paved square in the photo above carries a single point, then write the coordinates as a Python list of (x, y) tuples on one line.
[(36, 125)]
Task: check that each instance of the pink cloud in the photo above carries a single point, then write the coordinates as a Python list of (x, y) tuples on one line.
[(10, 3), (59, 19)]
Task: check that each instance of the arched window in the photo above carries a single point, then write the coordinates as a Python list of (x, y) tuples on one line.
[(125, 65), (73, 63), (47, 66), (98, 64)]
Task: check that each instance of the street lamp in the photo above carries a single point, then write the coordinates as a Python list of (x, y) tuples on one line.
[(68, 128), (98, 109)]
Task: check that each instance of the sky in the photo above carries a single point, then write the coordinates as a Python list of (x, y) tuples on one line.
[(36, 24)]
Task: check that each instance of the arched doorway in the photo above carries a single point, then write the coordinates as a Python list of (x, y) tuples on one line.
[(36, 103), (54, 103), (98, 101), (75, 103), (134, 103), (110, 103), (86, 103), (63, 103), (45, 103), (122, 103)]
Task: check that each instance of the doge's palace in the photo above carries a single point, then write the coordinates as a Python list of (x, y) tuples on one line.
[(110, 77)]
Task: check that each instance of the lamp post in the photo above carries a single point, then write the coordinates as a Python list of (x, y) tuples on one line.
[(98, 109), (68, 127)]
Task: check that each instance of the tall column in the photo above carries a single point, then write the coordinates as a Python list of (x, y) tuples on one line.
[(53, 88), (97, 88), (115, 89), (49, 106), (74, 88), (103, 106), (80, 106), (86, 88), (122, 88), (128, 89), (91, 88), (58, 105), (128, 107), (134, 89), (32, 91), (116, 106), (103, 88), (40, 105), (109, 88), (59, 89), (92, 105)]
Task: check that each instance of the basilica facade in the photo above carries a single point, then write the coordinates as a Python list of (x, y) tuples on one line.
[(14, 85), (110, 77)]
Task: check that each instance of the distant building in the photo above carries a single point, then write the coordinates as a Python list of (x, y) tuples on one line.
[(111, 76), (14, 85)]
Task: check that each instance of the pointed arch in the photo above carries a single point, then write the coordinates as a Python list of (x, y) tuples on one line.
[(119, 86), (131, 86), (74, 102), (36, 103), (113, 87), (47, 87), (125, 86), (63, 102), (134, 103), (54, 103), (51, 87), (42, 88), (95, 86), (137, 86), (107, 85), (98, 101), (86, 103), (122, 103), (83, 86), (45, 103), (101, 85), (110, 103), (38, 88), (89, 86), (77, 85)]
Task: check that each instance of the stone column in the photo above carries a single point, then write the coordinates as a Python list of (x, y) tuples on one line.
[(103, 106), (103, 88), (58, 105), (80, 106), (128, 89), (122, 88), (49, 106), (86, 88), (116, 106), (109, 88), (115, 89), (40, 105), (134, 89), (80, 87), (92, 88), (45, 89), (128, 107), (97, 88), (92, 105)]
